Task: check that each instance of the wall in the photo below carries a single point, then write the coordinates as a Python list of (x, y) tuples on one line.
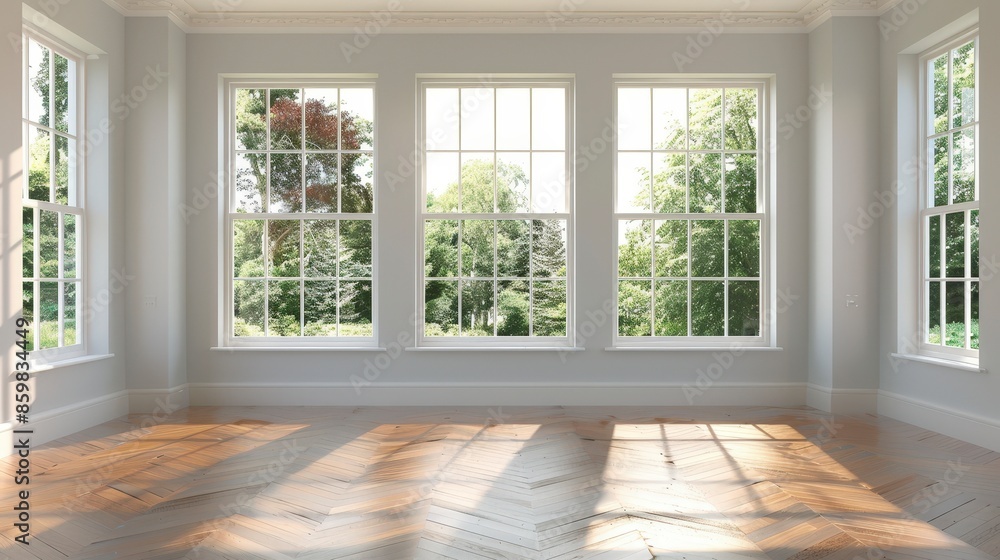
[(591, 377), (955, 402)]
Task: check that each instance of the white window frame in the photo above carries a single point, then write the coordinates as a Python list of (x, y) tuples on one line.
[(230, 85), (564, 81), (766, 339), (77, 196), (927, 208)]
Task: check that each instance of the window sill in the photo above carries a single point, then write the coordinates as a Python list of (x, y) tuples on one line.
[(694, 349), (297, 349), (939, 362), (49, 366), (495, 349)]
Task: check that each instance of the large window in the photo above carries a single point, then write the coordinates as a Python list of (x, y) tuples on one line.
[(52, 205), (950, 203), (301, 217), (495, 227), (690, 214)]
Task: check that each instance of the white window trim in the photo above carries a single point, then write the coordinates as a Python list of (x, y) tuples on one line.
[(230, 85), (498, 342), (51, 357), (925, 108), (768, 328)]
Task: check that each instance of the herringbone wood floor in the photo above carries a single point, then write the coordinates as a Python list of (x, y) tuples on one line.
[(538, 483)]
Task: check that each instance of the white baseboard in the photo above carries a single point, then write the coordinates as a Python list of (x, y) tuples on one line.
[(494, 394), (978, 430), (842, 401), (147, 401), (60, 422)]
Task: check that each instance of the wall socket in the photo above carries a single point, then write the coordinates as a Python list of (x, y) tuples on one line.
[(149, 302), (852, 300)]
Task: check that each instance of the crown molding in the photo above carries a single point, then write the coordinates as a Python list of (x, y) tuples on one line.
[(232, 20)]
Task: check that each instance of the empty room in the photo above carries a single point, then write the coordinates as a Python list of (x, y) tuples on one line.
[(504, 279)]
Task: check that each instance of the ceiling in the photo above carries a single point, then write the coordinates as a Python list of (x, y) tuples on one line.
[(496, 15)]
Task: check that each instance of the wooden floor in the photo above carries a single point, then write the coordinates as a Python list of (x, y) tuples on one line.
[(538, 483)]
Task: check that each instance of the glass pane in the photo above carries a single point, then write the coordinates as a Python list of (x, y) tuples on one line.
[(477, 248), (549, 313), (974, 242), (65, 171), (934, 246), (634, 182), (478, 177), (251, 182), (514, 126), (442, 181), (286, 119), (69, 314), (513, 248), (321, 308), (670, 183), (248, 308), (635, 246), (741, 183), (441, 248), (672, 251), (744, 308), (707, 308), (69, 246), (974, 327), (283, 248), (358, 108), (477, 308), (38, 78), (48, 325), (954, 240), (954, 311), (320, 245), (355, 249), (705, 118), (513, 308), (669, 119), (741, 119), (28, 310), (706, 182), (39, 169), (513, 182), (28, 243), (548, 118), (940, 69), (321, 182), (442, 116), (963, 168), (963, 68), (548, 182), (356, 308), (441, 308), (48, 244), (548, 249), (942, 165), (934, 312), (286, 183), (251, 120), (284, 311), (359, 190), (478, 118), (64, 74), (248, 248), (671, 308), (634, 119), (744, 249), (321, 119), (634, 308), (708, 239)]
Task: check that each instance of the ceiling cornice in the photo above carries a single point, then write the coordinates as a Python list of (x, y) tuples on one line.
[(232, 20)]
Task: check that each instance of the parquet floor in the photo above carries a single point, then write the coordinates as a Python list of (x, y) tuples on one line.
[(517, 483)]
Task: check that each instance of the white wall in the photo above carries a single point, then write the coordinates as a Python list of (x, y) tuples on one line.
[(958, 403), (442, 377)]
